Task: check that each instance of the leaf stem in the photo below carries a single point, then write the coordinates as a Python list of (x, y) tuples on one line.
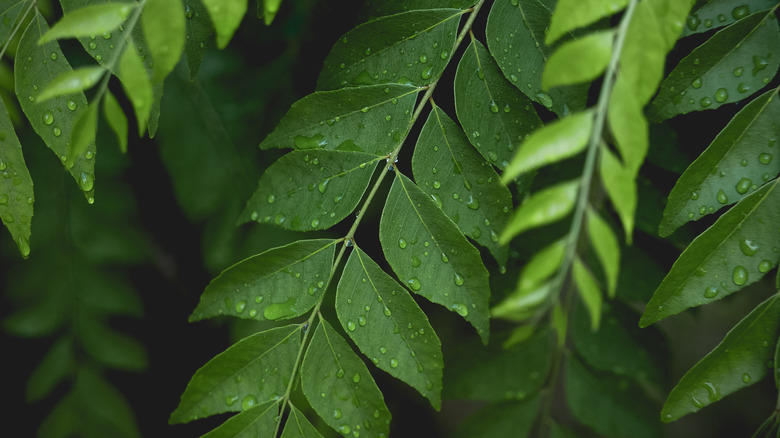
[(33, 3)]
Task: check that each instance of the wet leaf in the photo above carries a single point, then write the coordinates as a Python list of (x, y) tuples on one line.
[(16, 186), (671, 16), (578, 61), (298, 426), (379, 8), (84, 132), (258, 421), (543, 207), (10, 10), (72, 82), (88, 20), (199, 31), (718, 13)]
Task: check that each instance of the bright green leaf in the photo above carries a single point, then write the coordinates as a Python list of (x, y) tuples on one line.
[(54, 119), (256, 422), (732, 65), (280, 283), (514, 418), (116, 118), (137, 85), (84, 132), (445, 166), (311, 190), (643, 55), (522, 304), (734, 252), (737, 362), (229, 381), (572, 14), (335, 120), (55, 367), (269, 10), (671, 15), (298, 426), (589, 292), (607, 248), (89, 20), (579, 61), (738, 161), (431, 256), (620, 185), (16, 190), (111, 348), (628, 125), (199, 32), (388, 326), (560, 139), (495, 115), (339, 387), (164, 31), (71, 82), (543, 207), (718, 13), (226, 16), (408, 48)]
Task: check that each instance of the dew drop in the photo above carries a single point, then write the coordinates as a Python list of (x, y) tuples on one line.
[(460, 309), (427, 73), (739, 276), (743, 186), (694, 196), (705, 102), (722, 197), (416, 262), (764, 266), (248, 402), (393, 363), (711, 292), (362, 320), (748, 247), (765, 158), (743, 88), (48, 117), (740, 12), (721, 95), (337, 413), (56, 131), (240, 306), (458, 280), (231, 399), (746, 378), (86, 181), (351, 326), (414, 283), (402, 243), (696, 83)]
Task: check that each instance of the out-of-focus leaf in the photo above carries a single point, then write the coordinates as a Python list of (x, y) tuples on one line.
[(116, 118), (164, 31), (607, 248), (380, 8), (543, 207), (501, 420), (71, 82), (298, 426), (199, 32), (89, 20), (589, 291), (53, 369), (137, 85), (579, 61), (112, 348), (572, 14), (226, 16)]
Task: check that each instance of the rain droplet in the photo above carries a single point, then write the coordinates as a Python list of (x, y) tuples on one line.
[(402, 243), (740, 275), (427, 73), (414, 283), (746, 378), (705, 102), (743, 185), (48, 117), (765, 158), (460, 309), (711, 292), (356, 378), (351, 326), (337, 413), (721, 95), (393, 363), (696, 83), (240, 306), (423, 58), (416, 262), (722, 197), (458, 280), (740, 12), (764, 266), (248, 402), (748, 247)]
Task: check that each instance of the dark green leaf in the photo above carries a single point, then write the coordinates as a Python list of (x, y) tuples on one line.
[(732, 65), (589, 292), (620, 185), (137, 85), (199, 31), (543, 207), (53, 370), (298, 426), (431, 256), (408, 48), (36, 320), (578, 61), (164, 30), (339, 386), (10, 10), (89, 20), (116, 118), (777, 364), (254, 370), (572, 14), (280, 283), (494, 114), (607, 248), (461, 182), (734, 252), (16, 186), (738, 161), (501, 420), (388, 326), (718, 13), (738, 361), (53, 120), (370, 119), (311, 190), (260, 421), (84, 132), (226, 16), (379, 8), (111, 348)]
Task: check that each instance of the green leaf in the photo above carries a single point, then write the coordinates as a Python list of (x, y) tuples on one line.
[(559, 140), (71, 82), (37, 320), (89, 20), (543, 207), (55, 367), (589, 292), (84, 132), (54, 119), (280, 283), (495, 115), (339, 386), (408, 48), (116, 118), (388, 326), (734, 165), (335, 120), (10, 10), (718, 13), (629, 126), (199, 31), (16, 186), (380, 8), (732, 65), (506, 419), (643, 55), (164, 31), (572, 14), (137, 85), (671, 15), (737, 362), (230, 381), (579, 61), (519, 28), (431, 256), (607, 248), (777, 364), (255, 422), (620, 185), (610, 407), (298, 426), (311, 190), (111, 348), (445, 165), (226, 16), (734, 252), (269, 10)]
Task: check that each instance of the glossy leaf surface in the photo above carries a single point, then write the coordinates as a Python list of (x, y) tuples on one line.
[(298, 426), (280, 283), (164, 33), (84, 132), (572, 14), (16, 186), (379, 8), (543, 207), (671, 17), (461, 182), (407, 48), (226, 16), (370, 119), (388, 326), (254, 370), (89, 20), (311, 190), (198, 32), (495, 115), (579, 61), (430, 255), (718, 13), (258, 421)]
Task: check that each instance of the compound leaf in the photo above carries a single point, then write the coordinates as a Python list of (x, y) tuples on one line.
[(55, 367), (116, 118), (589, 291), (513, 418), (380, 8), (10, 10), (71, 82), (643, 55), (620, 184), (198, 31), (84, 132)]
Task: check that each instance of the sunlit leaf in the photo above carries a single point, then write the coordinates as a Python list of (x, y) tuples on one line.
[(16, 188), (628, 125), (199, 31), (89, 20), (718, 13), (431, 256), (737, 362), (311, 190), (671, 16), (298, 426), (620, 185), (229, 381), (280, 283), (339, 386), (408, 48), (71, 82), (734, 252), (388, 326), (543, 207), (84, 132), (258, 421), (514, 418), (164, 31), (137, 85), (589, 291), (226, 16), (607, 248), (116, 118), (643, 55), (572, 14), (578, 61)]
